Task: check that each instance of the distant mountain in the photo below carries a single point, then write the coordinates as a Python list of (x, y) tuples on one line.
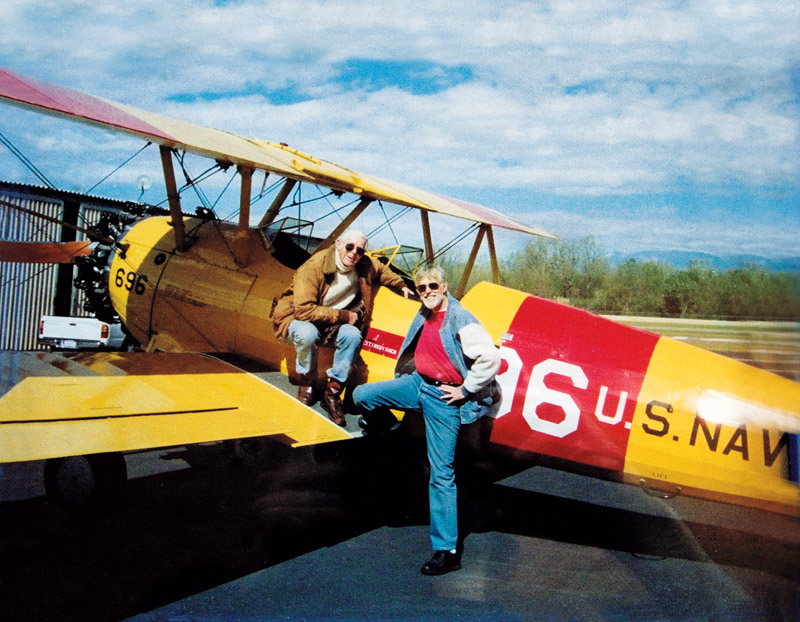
[(681, 259)]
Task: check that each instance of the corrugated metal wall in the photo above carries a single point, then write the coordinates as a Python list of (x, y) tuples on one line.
[(26, 290)]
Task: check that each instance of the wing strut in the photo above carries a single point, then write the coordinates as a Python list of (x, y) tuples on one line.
[(487, 231), (244, 198), (238, 245), (493, 255), (426, 232), (277, 204), (343, 226), (174, 197)]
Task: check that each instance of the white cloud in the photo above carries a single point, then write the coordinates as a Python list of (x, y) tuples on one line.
[(568, 98)]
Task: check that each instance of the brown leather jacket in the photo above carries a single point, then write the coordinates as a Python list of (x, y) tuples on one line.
[(301, 300)]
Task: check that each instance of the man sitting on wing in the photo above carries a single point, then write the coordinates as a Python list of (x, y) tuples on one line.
[(330, 301)]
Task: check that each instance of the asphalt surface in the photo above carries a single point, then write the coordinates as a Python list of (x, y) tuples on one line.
[(339, 532)]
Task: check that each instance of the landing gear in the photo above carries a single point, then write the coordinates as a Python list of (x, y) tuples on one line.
[(85, 480)]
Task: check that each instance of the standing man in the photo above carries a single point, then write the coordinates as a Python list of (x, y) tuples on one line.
[(446, 368), (330, 301)]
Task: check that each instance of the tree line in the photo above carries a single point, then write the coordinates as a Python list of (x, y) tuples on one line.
[(579, 273)]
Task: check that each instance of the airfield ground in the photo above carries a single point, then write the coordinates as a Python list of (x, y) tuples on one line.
[(339, 532)]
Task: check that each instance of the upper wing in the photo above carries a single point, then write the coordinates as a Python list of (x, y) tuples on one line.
[(54, 405), (220, 145)]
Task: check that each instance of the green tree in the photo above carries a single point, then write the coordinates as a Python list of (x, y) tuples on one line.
[(530, 270), (580, 274), (559, 269), (783, 293), (752, 292), (635, 287), (691, 291)]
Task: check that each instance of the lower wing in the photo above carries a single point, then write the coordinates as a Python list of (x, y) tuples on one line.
[(63, 404)]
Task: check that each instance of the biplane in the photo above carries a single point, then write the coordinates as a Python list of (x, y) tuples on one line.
[(579, 391)]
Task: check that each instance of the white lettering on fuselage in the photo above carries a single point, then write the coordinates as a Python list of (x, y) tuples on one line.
[(601, 402), (537, 393)]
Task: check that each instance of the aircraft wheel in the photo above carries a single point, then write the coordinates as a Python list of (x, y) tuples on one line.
[(83, 480)]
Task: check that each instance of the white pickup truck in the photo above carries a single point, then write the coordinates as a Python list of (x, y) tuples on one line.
[(72, 333)]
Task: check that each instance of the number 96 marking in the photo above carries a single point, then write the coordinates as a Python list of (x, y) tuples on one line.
[(130, 281)]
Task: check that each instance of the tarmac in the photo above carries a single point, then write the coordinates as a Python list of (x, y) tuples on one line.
[(599, 552), (339, 532)]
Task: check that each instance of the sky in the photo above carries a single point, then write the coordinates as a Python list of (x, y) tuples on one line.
[(650, 126)]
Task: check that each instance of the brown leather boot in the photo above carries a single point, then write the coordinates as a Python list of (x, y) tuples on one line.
[(305, 392), (331, 401)]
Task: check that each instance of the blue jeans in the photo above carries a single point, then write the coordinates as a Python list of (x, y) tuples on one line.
[(442, 424), (304, 335)]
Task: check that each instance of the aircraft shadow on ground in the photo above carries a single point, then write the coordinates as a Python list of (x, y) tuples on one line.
[(537, 515), (179, 533)]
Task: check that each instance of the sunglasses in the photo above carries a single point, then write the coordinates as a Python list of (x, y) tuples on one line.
[(431, 286), (350, 246)]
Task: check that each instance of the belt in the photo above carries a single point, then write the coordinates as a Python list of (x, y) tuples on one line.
[(434, 382)]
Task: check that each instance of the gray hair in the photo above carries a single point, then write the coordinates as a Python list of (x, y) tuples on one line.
[(354, 234), (432, 271)]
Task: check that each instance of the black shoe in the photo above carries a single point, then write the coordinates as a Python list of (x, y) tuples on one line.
[(442, 562), (379, 425)]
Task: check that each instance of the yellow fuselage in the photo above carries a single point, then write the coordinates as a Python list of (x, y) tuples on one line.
[(576, 387)]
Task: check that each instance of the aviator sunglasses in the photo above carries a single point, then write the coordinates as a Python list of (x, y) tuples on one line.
[(359, 249), (431, 286)]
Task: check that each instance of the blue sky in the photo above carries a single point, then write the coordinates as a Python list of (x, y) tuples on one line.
[(650, 125)]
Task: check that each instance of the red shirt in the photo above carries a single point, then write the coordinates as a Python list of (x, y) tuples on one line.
[(430, 357)]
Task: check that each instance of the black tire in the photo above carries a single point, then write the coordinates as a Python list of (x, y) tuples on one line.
[(85, 480)]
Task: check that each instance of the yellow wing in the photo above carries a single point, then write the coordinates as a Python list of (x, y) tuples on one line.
[(224, 146), (54, 404)]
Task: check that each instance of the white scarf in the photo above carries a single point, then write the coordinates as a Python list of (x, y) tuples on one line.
[(344, 289)]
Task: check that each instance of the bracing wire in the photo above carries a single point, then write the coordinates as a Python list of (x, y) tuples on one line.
[(266, 191), (224, 190), (456, 240), (193, 183), (388, 222), (16, 279), (30, 165), (38, 227), (119, 167), (335, 210)]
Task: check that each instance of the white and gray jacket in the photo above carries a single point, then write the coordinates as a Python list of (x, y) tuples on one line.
[(470, 350)]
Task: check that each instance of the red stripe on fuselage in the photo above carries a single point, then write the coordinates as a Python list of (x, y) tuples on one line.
[(66, 101), (560, 359)]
